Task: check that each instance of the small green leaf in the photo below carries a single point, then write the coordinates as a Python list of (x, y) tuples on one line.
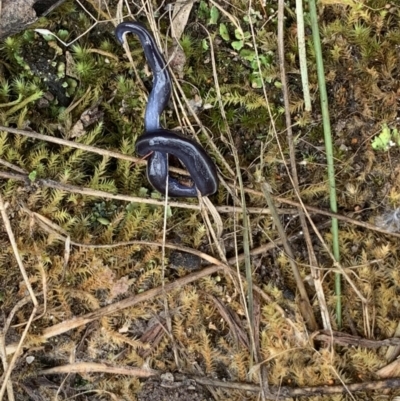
[(239, 34), (29, 35), (204, 11), (169, 212), (378, 144), (382, 141), (104, 221), (155, 195), (143, 192), (214, 15), (246, 18), (62, 34), (237, 44), (61, 70), (248, 54), (256, 81), (264, 60), (32, 175), (204, 44), (132, 206), (396, 136), (223, 31)]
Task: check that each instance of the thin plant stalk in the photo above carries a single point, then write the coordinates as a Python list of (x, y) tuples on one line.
[(302, 54), (328, 149), (305, 305)]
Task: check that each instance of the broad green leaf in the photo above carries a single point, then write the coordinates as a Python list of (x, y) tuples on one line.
[(203, 11), (214, 15), (237, 44)]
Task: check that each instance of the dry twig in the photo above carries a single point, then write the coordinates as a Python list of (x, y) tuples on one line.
[(10, 367)]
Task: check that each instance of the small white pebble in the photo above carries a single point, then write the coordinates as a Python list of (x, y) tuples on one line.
[(30, 359), (168, 377)]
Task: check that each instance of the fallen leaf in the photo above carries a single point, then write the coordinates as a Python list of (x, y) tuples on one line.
[(180, 17)]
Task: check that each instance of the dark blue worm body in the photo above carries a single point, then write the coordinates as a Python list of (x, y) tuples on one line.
[(160, 141), (161, 92), (192, 155)]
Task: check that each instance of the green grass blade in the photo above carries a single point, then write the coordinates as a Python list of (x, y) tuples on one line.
[(328, 148)]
